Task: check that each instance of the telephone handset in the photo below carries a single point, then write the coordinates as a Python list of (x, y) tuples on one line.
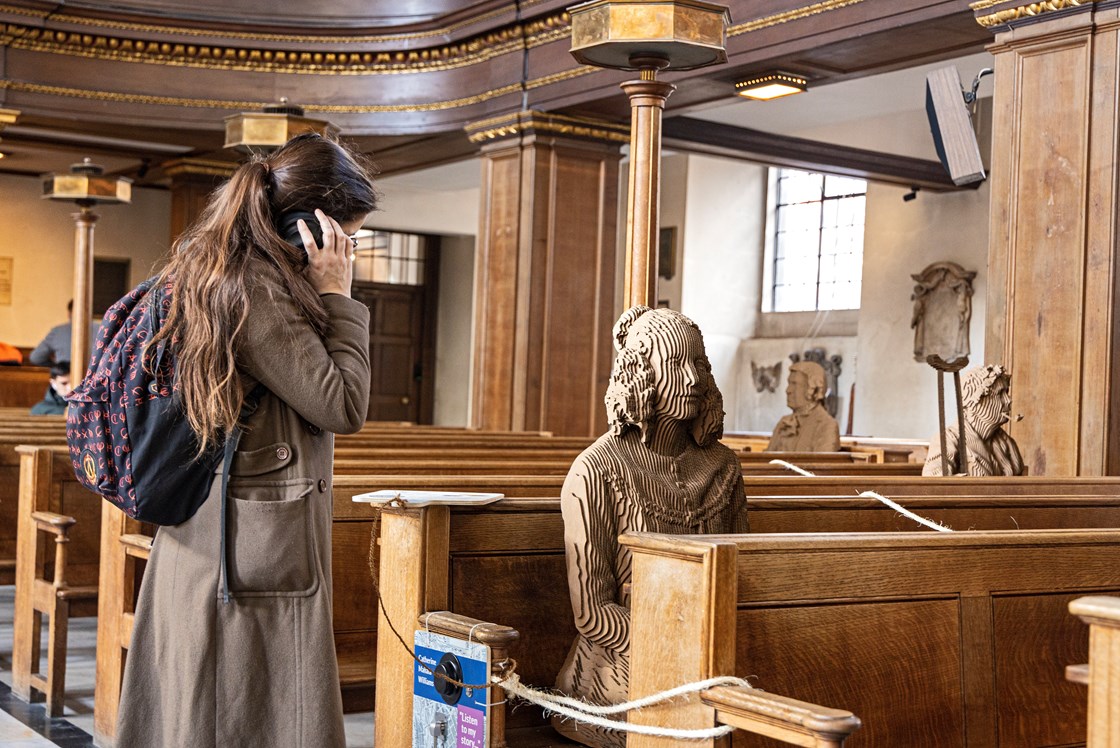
[(287, 228)]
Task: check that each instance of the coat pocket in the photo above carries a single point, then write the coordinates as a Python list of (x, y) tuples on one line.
[(272, 546)]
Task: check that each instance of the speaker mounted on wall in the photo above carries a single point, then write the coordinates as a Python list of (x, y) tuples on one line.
[(951, 125)]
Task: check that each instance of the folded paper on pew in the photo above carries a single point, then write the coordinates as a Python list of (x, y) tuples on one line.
[(428, 498)]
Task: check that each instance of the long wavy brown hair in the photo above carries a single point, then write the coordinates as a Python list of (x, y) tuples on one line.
[(215, 262)]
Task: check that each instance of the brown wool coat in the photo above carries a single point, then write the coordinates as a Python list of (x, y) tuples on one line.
[(260, 670)]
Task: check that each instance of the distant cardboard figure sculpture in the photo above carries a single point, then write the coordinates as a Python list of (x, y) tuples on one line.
[(660, 468), (986, 393), (809, 428)]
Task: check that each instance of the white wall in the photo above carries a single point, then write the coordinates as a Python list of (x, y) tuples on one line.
[(724, 223), (723, 248), (39, 235), (453, 331)]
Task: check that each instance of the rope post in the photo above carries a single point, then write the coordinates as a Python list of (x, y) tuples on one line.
[(941, 366)]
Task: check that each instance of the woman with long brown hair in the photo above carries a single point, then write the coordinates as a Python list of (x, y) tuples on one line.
[(248, 658)]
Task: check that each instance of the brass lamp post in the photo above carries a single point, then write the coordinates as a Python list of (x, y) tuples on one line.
[(86, 185), (647, 36), (271, 127)]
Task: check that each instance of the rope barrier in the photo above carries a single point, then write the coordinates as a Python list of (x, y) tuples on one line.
[(872, 495)]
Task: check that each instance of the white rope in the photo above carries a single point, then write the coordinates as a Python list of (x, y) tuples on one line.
[(906, 512), (794, 468), (877, 496), (581, 711)]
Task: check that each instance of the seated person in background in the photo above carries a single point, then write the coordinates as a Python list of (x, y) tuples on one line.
[(809, 428), (56, 346), (986, 395), (660, 468), (54, 402)]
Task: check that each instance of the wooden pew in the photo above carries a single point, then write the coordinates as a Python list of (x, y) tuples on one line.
[(1102, 675), (416, 546), (901, 486), (934, 639), (23, 386), (56, 569)]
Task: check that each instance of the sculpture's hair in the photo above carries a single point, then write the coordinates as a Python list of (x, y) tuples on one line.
[(217, 259), (631, 397), (976, 384), (814, 372)]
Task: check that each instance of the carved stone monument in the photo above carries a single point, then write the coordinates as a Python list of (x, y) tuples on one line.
[(766, 378), (660, 468), (809, 428), (942, 311), (986, 394)]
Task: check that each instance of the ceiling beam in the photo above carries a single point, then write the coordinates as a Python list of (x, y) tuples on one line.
[(717, 139)]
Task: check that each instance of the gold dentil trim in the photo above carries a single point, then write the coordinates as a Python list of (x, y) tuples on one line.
[(507, 125), (249, 36), (789, 15), (175, 54), (1024, 11), (127, 98)]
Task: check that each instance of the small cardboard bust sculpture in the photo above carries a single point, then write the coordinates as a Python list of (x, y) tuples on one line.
[(809, 428), (986, 395), (660, 468)]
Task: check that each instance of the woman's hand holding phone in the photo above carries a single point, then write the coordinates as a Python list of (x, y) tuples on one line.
[(330, 267)]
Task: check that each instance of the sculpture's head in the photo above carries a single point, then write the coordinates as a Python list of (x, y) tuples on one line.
[(986, 394), (807, 385), (662, 372)]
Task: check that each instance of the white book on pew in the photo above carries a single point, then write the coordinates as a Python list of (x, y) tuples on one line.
[(428, 498)]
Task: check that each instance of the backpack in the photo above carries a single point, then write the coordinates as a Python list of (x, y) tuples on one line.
[(128, 437)]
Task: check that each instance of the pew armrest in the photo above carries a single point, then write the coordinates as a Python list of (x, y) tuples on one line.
[(136, 545), (55, 524), (785, 719), (461, 627), (1097, 610)]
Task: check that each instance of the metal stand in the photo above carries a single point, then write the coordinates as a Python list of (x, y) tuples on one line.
[(955, 366)]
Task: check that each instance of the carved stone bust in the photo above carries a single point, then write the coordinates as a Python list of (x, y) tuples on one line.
[(809, 428), (986, 395), (659, 468)]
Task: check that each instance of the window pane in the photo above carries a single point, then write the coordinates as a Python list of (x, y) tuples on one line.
[(801, 217), (834, 186), (798, 187)]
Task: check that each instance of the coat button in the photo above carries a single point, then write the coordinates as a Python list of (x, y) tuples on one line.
[(282, 453), (322, 486), (315, 430)]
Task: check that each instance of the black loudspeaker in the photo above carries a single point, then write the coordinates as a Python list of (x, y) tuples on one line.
[(951, 125)]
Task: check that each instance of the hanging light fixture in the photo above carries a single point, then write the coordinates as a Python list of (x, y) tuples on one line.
[(648, 36), (271, 127), (773, 85), (85, 185)]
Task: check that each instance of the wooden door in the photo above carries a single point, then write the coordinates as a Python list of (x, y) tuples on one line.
[(401, 351)]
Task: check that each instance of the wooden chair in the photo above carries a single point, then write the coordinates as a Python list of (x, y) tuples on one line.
[(42, 588)]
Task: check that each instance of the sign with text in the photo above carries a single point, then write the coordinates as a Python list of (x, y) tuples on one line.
[(465, 721)]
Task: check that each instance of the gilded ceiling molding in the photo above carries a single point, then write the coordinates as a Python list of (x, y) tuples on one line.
[(127, 98), (515, 123), (1001, 17), (250, 36), (790, 15), (306, 62)]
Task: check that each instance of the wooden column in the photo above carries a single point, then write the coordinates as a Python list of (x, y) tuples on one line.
[(545, 272), (192, 181), (80, 343), (1051, 310)]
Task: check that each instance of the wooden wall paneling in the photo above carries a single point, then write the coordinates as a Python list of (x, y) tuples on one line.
[(1030, 669), (1053, 243), (192, 181), (545, 279)]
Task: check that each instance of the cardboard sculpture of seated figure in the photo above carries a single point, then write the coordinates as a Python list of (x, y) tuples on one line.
[(660, 468), (809, 428), (986, 394)]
